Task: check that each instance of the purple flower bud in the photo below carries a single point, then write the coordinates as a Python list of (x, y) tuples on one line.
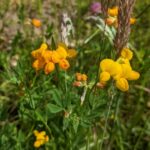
[(96, 7)]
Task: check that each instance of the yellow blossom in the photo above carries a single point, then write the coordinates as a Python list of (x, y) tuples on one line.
[(127, 53), (104, 76), (122, 84), (47, 55), (133, 75), (113, 11), (55, 57), (110, 20), (62, 52), (64, 64), (37, 64), (81, 77), (41, 138), (84, 77), (49, 67), (71, 53), (132, 20), (38, 53), (36, 22), (110, 66)]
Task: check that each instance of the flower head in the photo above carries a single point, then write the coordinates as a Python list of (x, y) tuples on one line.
[(122, 84), (49, 67), (132, 20), (41, 138), (36, 22), (113, 11), (96, 7), (81, 77), (120, 70), (127, 53), (64, 64)]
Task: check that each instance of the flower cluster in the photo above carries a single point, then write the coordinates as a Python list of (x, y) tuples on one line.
[(112, 17), (80, 79), (41, 138), (46, 59), (120, 70)]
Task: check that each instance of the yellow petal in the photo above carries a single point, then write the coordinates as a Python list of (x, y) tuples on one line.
[(49, 67), (110, 20), (61, 44), (122, 84), (37, 144), (84, 77), (126, 70), (47, 55), (113, 11), (62, 52), (104, 76), (71, 53), (106, 64), (132, 20), (127, 53), (78, 76), (36, 54), (36, 22), (46, 138), (110, 66), (43, 46), (64, 64), (55, 57), (133, 75), (38, 64), (35, 132)]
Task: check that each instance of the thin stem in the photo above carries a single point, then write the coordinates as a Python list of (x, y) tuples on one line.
[(144, 10), (106, 120)]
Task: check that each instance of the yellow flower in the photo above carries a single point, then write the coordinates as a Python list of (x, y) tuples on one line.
[(47, 55), (133, 75), (64, 64), (55, 57), (104, 76), (50, 66), (36, 22), (113, 11), (37, 144), (62, 52), (122, 84), (81, 77), (41, 138), (84, 77), (110, 20), (126, 69), (71, 53), (37, 64), (132, 20), (127, 53), (38, 53), (110, 66)]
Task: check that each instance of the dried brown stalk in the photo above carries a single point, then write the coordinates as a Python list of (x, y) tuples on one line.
[(123, 30), (105, 5)]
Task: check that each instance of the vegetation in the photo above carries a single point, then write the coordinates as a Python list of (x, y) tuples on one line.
[(65, 80)]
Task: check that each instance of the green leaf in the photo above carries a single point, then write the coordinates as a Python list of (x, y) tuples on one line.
[(56, 95), (54, 108)]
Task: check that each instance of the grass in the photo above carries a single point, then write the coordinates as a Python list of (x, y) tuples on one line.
[(108, 119)]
